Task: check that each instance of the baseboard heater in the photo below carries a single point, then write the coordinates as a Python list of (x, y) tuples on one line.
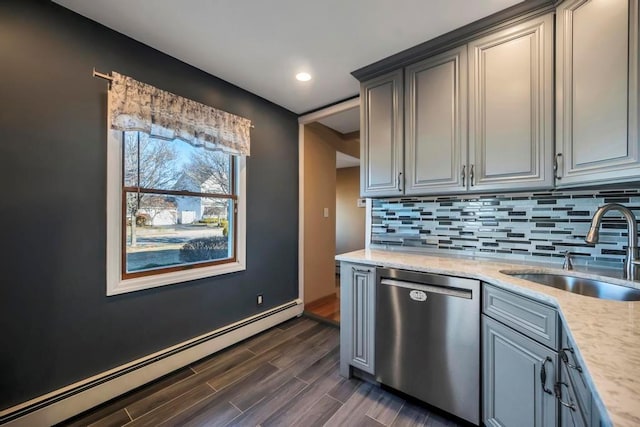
[(76, 398)]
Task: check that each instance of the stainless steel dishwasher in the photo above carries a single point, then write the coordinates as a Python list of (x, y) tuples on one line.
[(428, 339)]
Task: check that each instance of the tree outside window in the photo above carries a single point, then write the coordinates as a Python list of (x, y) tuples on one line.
[(179, 206)]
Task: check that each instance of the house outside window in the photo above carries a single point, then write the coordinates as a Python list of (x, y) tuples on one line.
[(179, 206)]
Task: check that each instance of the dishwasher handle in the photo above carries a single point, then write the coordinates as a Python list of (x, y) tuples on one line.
[(442, 290)]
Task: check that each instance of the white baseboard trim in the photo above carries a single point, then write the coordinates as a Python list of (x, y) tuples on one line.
[(76, 398)]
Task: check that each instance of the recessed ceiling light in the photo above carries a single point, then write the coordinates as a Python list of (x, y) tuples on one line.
[(303, 77)]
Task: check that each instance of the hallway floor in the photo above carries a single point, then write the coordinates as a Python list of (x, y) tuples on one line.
[(326, 308)]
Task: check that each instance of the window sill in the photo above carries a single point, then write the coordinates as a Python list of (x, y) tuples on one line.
[(120, 286)]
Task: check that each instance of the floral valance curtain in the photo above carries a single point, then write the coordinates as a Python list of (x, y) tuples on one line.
[(136, 106)]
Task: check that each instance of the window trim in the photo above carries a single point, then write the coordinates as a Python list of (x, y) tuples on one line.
[(116, 283)]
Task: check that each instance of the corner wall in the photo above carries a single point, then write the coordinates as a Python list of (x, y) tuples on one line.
[(350, 219), (58, 325), (319, 232)]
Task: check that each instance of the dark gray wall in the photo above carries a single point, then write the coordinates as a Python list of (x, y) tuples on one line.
[(57, 325)]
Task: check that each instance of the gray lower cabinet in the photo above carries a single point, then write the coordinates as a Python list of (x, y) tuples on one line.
[(518, 378), (571, 414), (532, 372), (511, 108), (597, 420), (381, 133), (357, 317), (578, 406), (597, 92), (531, 318)]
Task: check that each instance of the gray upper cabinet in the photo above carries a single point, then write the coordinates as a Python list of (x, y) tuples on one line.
[(478, 117), (511, 108), (436, 124), (597, 92), (381, 133)]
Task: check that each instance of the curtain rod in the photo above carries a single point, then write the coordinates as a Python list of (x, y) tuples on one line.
[(102, 75)]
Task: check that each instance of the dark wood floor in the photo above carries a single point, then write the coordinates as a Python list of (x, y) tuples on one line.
[(287, 376)]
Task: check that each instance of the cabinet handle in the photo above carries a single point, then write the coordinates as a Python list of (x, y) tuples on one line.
[(471, 176), (565, 359), (543, 375), (361, 270), (558, 392), (463, 175), (556, 165), (399, 180)]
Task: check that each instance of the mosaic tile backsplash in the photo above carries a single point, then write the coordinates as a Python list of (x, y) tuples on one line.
[(533, 226)]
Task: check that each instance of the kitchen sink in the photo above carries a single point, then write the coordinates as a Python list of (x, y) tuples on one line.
[(581, 286)]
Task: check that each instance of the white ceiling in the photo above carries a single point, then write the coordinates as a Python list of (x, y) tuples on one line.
[(344, 122), (345, 160), (261, 45)]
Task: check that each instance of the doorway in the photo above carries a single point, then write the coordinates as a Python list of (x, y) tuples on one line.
[(330, 218)]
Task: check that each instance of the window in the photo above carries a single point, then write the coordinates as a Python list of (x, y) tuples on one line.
[(181, 212), (178, 206), (175, 188)]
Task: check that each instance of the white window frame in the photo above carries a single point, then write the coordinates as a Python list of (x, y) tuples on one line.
[(115, 283)]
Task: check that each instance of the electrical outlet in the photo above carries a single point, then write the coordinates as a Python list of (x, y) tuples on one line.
[(259, 299)]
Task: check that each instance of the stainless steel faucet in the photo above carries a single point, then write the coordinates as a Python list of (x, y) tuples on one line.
[(631, 264), (568, 264)]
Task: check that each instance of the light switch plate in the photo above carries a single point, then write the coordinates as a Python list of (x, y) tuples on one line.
[(326, 212)]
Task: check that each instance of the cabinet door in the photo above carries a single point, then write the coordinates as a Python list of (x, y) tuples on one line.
[(357, 317), (513, 392), (511, 107), (574, 373), (597, 91), (436, 124), (597, 418), (571, 413), (382, 138)]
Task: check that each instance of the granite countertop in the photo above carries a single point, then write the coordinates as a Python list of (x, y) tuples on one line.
[(607, 333)]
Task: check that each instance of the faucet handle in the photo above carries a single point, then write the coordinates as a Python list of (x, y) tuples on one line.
[(568, 264)]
